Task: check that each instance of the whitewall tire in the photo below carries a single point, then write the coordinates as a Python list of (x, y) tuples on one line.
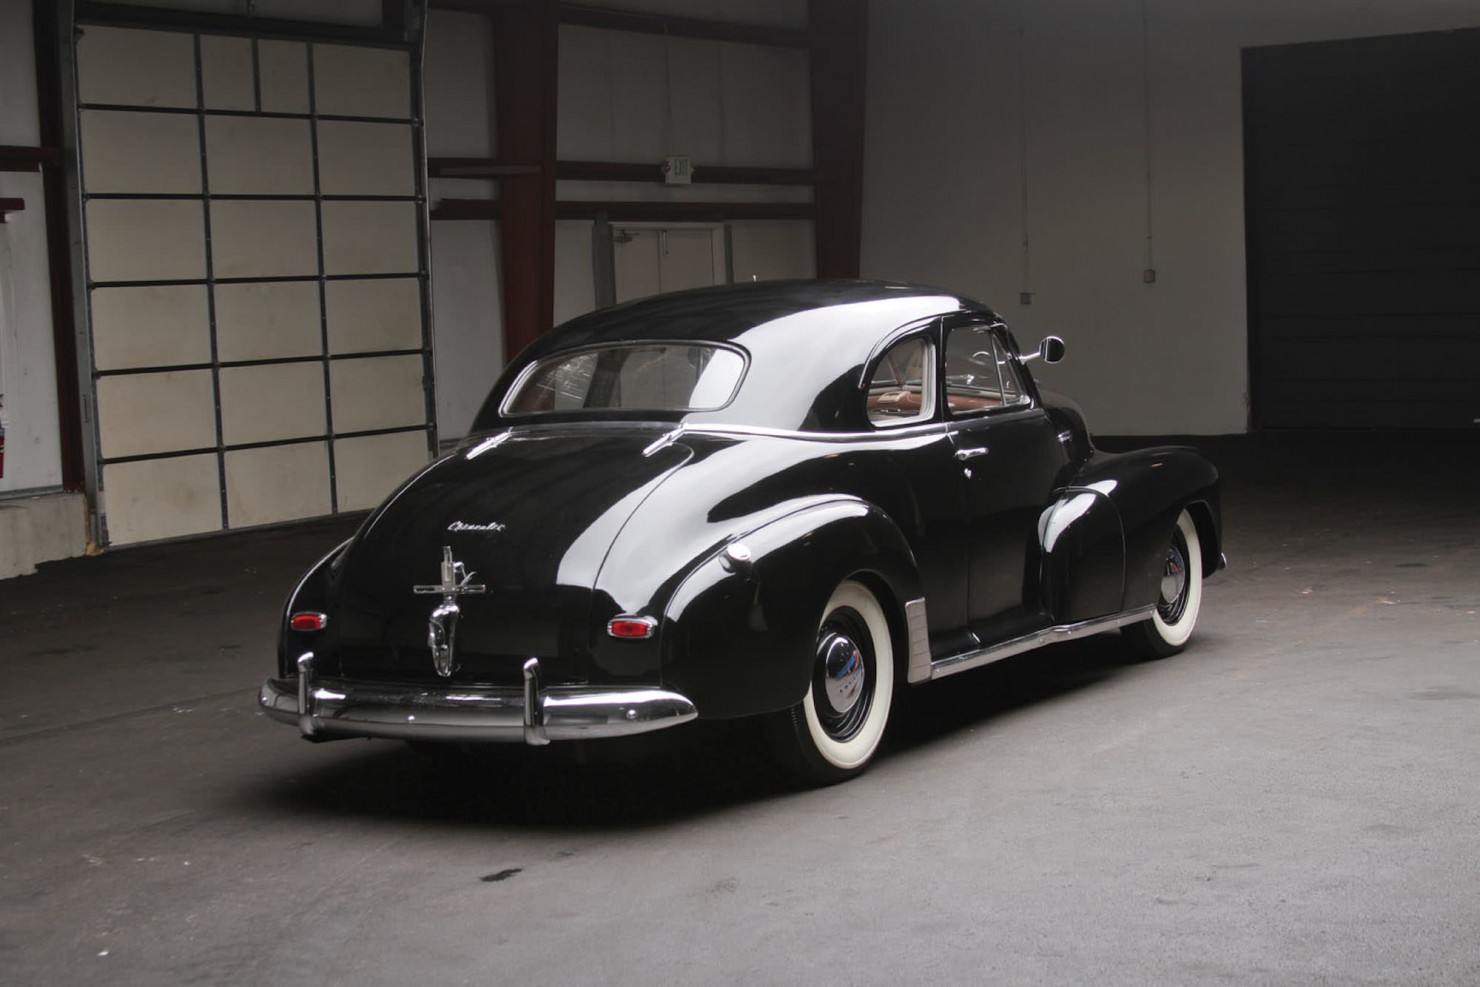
[(1170, 626)]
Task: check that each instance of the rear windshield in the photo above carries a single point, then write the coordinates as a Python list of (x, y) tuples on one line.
[(662, 377)]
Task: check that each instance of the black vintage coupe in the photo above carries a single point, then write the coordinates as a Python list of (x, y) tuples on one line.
[(784, 500)]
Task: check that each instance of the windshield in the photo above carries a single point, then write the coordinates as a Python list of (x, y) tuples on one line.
[(660, 377)]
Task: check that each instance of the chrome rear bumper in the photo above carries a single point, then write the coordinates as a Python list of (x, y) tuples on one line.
[(324, 708)]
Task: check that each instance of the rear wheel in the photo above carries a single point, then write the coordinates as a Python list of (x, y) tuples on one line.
[(834, 731), (1170, 626)]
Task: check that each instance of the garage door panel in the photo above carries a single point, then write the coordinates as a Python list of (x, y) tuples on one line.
[(148, 414), (361, 82), (268, 320), (271, 403), (277, 483), (377, 392), (259, 155), (373, 315), (150, 326), (1372, 292), (263, 239), (162, 498), (141, 153), (357, 158), (370, 238), (369, 467), (145, 240), (226, 73), (128, 67), (1389, 360), (282, 70), (1411, 330)]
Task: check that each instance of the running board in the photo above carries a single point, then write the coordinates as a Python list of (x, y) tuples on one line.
[(923, 669)]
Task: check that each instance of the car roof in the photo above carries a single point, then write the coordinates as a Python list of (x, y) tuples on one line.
[(806, 340)]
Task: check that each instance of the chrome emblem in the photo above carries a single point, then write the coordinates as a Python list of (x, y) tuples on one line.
[(489, 526), (442, 628)]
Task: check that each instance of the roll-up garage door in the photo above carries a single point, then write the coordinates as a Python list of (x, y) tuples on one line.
[(1363, 185), (256, 277)]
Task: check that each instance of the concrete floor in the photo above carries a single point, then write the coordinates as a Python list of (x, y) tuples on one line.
[(1295, 799)]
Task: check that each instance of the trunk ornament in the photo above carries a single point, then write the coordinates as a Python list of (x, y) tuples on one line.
[(442, 627)]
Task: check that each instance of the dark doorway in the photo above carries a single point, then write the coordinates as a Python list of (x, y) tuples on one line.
[(1362, 191)]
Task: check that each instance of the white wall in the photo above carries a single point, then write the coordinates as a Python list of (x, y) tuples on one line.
[(467, 304), (27, 365), (950, 133)]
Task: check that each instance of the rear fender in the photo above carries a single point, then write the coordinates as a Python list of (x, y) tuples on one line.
[(739, 632)]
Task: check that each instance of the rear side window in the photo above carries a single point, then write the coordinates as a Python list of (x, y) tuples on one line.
[(902, 387), (663, 377)]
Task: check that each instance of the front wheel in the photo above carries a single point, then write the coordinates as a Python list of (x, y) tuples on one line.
[(833, 732), (1168, 629)]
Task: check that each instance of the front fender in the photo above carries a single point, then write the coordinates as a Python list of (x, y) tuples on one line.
[(1150, 488), (739, 636)]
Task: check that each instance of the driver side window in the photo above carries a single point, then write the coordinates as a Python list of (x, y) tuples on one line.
[(980, 373)]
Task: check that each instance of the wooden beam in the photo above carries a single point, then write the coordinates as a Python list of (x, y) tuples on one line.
[(611, 171), (525, 43), (839, 32), (463, 209), (683, 212), (17, 158), (682, 27), (476, 168), (47, 25), (8, 206)]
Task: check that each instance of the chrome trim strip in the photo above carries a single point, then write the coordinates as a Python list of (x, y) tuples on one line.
[(919, 641), (335, 707), (942, 667), (911, 428), (663, 442)]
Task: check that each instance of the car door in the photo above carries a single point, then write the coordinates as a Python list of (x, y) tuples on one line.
[(1011, 459)]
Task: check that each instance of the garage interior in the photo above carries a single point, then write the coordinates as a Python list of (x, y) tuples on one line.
[(261, 260)]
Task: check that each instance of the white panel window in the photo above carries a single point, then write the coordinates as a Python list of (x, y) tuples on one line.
[(162, 498), (268, 320), (277, 483), (361, 82), (145, 240), (135, 68), (272, 402), (368, 468), (358, 158), (150, 326), (259, 155), (370, 237), (368, 316), (282, 73), (143, 414), (141, 152), (226, 73), (377, 392), (263, 238)]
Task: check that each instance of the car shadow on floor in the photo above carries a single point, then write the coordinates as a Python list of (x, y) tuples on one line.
[(655, 779)]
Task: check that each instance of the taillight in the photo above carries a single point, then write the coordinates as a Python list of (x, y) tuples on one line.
[(631, 628), (308, 621)]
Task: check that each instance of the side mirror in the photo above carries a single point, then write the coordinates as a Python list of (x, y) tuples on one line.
[(1051, 350)]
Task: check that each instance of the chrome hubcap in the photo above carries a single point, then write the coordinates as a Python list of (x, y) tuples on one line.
[(842, 672), (1174, 581), (842, 676)]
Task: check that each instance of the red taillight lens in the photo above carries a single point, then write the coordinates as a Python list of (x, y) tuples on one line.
[(308, 621), (631, 627)]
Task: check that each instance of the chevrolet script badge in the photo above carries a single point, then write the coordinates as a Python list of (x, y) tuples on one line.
[(442, 628)]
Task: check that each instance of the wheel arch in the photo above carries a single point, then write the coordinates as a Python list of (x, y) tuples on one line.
[(738, 635)]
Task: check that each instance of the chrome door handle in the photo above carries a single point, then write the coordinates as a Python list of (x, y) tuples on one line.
[(965, 454)]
